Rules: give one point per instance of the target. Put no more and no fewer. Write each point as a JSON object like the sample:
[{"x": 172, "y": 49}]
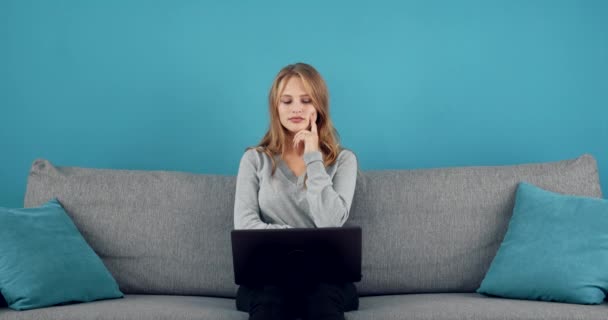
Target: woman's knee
[
  {"x": 325, "y": 301},
  {"x": 267, "y": 302}
]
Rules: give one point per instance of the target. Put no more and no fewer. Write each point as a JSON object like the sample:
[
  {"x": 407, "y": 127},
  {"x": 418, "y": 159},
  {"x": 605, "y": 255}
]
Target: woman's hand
[{"x": 310, "y": 138}]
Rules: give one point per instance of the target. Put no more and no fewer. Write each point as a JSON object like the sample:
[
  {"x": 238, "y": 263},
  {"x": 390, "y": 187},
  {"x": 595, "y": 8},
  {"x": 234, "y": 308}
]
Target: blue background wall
[{"x": 182, "y": 85}]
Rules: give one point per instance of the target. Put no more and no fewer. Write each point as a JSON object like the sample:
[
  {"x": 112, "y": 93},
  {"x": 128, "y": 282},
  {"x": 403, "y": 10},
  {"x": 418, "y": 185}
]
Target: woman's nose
[{"x": 298, "y": 107}]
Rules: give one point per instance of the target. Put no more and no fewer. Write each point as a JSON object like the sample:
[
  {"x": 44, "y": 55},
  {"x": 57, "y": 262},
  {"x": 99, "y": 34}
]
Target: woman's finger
[
  {"x": 313, "y": 125},
  {"x": 296, "y": 141}
]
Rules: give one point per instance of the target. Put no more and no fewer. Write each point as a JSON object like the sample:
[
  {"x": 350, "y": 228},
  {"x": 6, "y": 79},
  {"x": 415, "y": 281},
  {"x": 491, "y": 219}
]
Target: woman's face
[{"x": 295, "y": 106}]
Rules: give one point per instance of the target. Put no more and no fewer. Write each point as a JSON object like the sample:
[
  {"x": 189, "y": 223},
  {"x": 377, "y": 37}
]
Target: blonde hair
[{"x": 273, "y": 142}]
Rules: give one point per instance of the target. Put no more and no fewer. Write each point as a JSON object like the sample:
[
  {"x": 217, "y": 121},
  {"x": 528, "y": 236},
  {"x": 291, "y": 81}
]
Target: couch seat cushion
[
  {"x": 132, "y": 307},
  {"x": 465, "y": 306},
  {"x": 470, "y": 306}
]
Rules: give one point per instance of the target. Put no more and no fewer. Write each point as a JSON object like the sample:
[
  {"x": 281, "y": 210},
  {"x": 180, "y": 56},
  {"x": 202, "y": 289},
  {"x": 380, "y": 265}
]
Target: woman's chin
[{"x": 292, "y": 130}]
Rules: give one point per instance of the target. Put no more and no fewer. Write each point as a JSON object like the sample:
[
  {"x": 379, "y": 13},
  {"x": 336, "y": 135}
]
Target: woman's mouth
[{"x": 296, "y": 120}]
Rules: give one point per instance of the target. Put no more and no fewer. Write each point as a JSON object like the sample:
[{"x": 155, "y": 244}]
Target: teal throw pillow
[
  {"x": 555, "y": 249},
  {"x": 45, "y": 261}
]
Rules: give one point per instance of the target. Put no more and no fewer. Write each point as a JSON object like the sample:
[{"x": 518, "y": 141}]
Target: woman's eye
[
  {"x": 287, "y": 102},
  {"x": 306, "y": 101}
]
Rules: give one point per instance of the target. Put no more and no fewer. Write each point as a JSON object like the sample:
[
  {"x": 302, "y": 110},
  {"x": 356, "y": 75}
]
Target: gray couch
[{"x": 429, "y": 237}]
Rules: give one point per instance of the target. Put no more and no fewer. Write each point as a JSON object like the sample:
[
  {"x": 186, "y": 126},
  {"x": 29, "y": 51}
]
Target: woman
[{"x": 297, "y": 177}]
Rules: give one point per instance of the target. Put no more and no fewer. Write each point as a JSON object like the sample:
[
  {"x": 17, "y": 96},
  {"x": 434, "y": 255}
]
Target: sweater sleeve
[
  {"x": 246, "y": 206},
  {"x": 330, "y": 200}
]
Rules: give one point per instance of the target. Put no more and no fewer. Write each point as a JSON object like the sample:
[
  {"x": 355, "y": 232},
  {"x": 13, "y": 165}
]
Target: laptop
[{"x": 296, "y": 256}]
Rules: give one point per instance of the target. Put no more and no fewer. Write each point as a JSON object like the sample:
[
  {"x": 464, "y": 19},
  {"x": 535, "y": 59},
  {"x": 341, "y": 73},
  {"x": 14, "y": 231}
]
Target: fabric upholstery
[
  {"x": 437, "y": 230},
  {"x": 134, "y": 307},
  {"x": 424, "y": 230},
  {"x": 470, "y": 306},
  {"x": 158, "y": 232},
  {"x": 445, "y": 306},
  {"x": 554, "y": 249},
  {"x": 41, "y": 250}
]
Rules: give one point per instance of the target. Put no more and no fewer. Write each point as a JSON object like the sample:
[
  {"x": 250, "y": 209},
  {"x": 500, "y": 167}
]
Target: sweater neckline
[{"x": 286, "y": 171}]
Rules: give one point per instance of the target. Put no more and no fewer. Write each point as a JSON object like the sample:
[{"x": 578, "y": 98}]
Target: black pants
[{"x": 320, "y": 301}]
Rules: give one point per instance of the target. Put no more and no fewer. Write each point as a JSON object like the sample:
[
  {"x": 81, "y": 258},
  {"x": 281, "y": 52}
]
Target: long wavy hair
[{"x": 273, "y": 142}]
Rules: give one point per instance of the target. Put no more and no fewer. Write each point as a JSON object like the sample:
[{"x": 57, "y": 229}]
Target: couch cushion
[
  {"x": 437, "y": 230},
  {"x": 448, "y": 306},
  {"x": 132, "y": 307},
  {"x": 41, "y": 250},
  {"x": 470, "y": 306},
  {"x": 158, "y": 232},
  {"x": 554, "y": 249}
]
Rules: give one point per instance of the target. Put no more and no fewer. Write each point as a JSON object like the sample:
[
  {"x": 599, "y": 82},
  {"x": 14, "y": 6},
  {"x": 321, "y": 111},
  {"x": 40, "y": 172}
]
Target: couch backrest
[
  {"x": 158, "y": 232},
  {"x": 425, "y": 230},
  {"x": 437, "y": 230}
]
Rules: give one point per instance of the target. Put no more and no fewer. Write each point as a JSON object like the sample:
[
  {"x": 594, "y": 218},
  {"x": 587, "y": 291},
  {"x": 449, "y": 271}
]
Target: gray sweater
[{"x": 263, "y": 202}]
